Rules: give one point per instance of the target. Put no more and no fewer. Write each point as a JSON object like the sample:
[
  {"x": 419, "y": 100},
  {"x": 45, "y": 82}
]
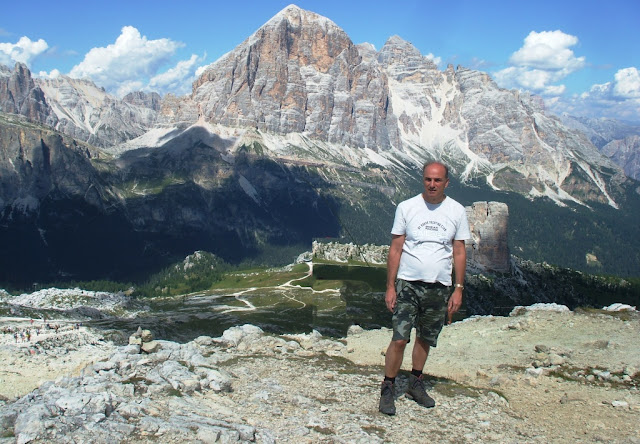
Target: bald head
[{"x": 428, "y": 164}]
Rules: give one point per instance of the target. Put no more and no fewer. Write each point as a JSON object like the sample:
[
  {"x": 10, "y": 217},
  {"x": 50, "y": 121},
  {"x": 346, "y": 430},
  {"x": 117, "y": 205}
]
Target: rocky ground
[{"x": 543, "y": 374}]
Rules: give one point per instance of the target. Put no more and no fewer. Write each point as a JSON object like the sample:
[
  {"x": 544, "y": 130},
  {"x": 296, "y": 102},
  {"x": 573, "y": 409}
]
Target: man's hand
[
  {"x": 455, "y": 301},
  {"x": 390, "y": 299}
]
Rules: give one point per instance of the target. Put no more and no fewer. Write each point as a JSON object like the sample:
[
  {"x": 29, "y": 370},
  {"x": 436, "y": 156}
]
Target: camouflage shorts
[{"x": 419, "y": 305}]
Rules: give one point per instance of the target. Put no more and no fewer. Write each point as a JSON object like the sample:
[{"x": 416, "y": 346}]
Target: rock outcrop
[
  {"x": 37, "y": 163},
  {"x": 488, "y": 249},
  {"x": 19, "y": 94},
  {"x": 339, "y": 252},
  {"x": 494, "y": 379}
]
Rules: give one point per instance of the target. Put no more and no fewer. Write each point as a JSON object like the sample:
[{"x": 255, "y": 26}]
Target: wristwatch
[{"x": 459, "y": 286}]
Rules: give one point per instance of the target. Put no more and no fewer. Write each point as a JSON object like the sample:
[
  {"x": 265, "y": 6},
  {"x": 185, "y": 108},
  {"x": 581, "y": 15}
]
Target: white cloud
[
  {"x": 535, "y": 80},
  {"x": 127, "y": 86},
  {"x": 627, "y": 83},
  {"x": 201, "y": 69},
  {"x": 619, "y": 98},
  {"x": 49, "y": 75},
  {"x": 24, "y": 51},
  {"x": 128, "y": 63},
  {"x": 177, "y": 79},
  {"x": 434, "y": 59},
  {"x": 555, "y": 90},
  {"x": 479, "y": 64},
  {"x": 548, "y": 50},
  {"x": 546, "y": 59},
  {"x": 543, "y": 61}
]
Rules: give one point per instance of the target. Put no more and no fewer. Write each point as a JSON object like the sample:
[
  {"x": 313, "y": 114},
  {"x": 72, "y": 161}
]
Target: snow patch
[
  {"x": 249, "y": 189},
  {"x": 619, "y": 307},
  {"x": 151, "y": 139},
  {"x": 26, "y": 204}
]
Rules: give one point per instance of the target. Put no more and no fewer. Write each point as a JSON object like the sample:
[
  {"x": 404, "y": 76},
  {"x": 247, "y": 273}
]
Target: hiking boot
[
  {"x": 417, "y": 392},
  {"x": 387, "y": 398}
]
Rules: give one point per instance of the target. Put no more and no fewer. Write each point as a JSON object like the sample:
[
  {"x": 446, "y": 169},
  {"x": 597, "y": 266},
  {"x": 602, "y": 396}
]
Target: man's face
[{"x": 435, "y": 181}]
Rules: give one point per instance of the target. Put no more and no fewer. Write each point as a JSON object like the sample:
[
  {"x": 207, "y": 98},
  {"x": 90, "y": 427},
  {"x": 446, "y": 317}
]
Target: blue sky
[{"x": 581, "y": 56}]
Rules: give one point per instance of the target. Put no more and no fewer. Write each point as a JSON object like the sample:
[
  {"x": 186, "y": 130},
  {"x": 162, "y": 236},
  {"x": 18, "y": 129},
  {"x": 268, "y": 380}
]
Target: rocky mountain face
[
  {"x": 38, "y": 162},
  {"x": 616, "y": 140},
  {"x": 297, "y": 133},
  {"x": 601, "y": 131},
  {"x": 89, "y": 114},
  {"x": 19, "y": 94},
  {"x": 77, "y": 108},
  {"x": 626, "y": 153},
  {"x": 301, "y": 75}
]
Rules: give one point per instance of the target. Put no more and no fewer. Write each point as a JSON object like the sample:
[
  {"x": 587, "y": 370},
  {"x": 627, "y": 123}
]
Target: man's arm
[
  {"x": 460, "y": 267},
  {"x": 393, "y": 263}
]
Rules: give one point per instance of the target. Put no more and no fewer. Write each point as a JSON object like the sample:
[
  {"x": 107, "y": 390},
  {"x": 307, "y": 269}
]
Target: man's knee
[
  {"x": 398, "y": 345},
  {"x": 424, "y": 343}
]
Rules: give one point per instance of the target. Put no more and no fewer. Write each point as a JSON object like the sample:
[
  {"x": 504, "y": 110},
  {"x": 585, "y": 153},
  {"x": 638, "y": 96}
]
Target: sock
[
  {"x": 416, "y": 373},
  {"x": 393, "y": 380}
]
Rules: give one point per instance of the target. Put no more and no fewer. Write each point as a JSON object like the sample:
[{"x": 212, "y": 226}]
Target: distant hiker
[{"x": 428, "y": 232}]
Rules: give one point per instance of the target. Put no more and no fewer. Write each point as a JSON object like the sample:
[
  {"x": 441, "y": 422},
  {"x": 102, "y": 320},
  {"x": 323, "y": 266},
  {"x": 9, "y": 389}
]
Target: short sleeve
[
  {"x": 463, "y": 232},
  {"x": 399, "y": 222}
]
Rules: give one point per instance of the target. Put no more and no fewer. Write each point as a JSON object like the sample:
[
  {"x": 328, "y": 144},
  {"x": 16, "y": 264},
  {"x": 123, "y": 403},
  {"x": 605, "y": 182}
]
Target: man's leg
[
  {"x": 416, "y": 389},
  {"x": 393, "y": 358},
  {"x": 403, "y": 319},
  {"x": 433, "y": 304},
  {"x": 392, "y": 363},
  {"x": 420, "y": 354}
]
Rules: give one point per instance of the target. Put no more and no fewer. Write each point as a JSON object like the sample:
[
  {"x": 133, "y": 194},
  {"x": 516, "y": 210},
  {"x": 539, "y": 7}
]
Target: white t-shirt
[{"x": 430, "y": 230}]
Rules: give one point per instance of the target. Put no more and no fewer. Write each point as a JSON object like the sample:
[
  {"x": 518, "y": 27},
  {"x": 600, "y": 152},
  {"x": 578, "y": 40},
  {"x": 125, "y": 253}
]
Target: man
[{"x": 428, "y": 232}]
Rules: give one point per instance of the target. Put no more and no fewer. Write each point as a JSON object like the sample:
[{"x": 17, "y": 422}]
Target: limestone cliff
[
  {"x": 299, "y": 73},
  {"x": 488, "y": 248},
  {"x": 19, "y": 94}
]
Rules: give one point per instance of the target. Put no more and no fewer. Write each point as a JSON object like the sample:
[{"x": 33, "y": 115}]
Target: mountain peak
[
  {"x": 397, "y": 50},
  {"x": 296, "y": 16},
  {"x": 290, "y": 9}
]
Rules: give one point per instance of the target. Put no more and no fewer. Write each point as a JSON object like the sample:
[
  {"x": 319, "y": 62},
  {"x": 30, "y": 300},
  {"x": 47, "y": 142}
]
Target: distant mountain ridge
[
  {"x": 620, "y": 141},
  {"x": 296, "y": 133}
]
